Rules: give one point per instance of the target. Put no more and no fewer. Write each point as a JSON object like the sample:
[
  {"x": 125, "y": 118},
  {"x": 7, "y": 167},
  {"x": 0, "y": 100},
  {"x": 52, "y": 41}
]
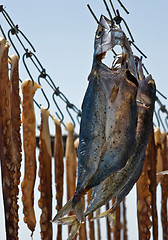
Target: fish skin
[
  {"x": 93, "y": 115},
  {"x": 120, "y": 183},
  {"x": 121, "y": 123}
]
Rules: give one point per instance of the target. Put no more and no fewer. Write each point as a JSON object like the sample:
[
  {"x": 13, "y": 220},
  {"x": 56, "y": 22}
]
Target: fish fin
[
  {"x": 111, "y": 218},
  {"x": 102, "y": 215},
  {"x": 78, "y": 208},
  {"x": 63, "y": 211},
  {"x": 74, "y": 229},
  {"x": 67, "y": 220}
]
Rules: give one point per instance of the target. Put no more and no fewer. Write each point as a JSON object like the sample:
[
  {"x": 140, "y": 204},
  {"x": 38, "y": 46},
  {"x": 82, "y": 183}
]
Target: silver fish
[
  {"x": 120, "y": 183},
  {"x": 103, "y": 129}
]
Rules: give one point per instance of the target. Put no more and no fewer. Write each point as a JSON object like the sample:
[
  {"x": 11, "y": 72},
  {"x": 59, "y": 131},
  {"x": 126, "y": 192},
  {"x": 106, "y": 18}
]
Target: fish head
[
  {"x": 106, "y": 38},
  {"x": 146, "y": 92}
]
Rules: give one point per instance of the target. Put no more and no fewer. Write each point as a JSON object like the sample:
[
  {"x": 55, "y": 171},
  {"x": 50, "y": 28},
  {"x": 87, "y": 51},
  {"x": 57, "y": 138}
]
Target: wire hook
[
  {"x": 14, "y": 31},
  {"x": 157, "y": 119},
  {"x": 70, "y": 105},
  {"x": 62, "y": 115},
  {"x": 166, "y": 121},
  {"x": 29, "y": 54},
  {"x": 160, "y": 119},
  {"x": 42, "y": 75}
]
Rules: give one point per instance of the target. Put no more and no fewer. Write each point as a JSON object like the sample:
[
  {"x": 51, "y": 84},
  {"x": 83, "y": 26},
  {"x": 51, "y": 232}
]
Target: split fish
[
  {"x": 120, "y": 183},
  {"x": 108, "y": 123}
]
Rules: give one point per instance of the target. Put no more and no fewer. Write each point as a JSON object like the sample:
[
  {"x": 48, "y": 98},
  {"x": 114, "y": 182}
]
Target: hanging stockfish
[
  {"x": 70, "y": 162},
  {"x": 144, "y": 201},
  {"x": 117, "y": 225},
  {"x": 125, "y": 237},
  {"x": 59, "y": 169},
  {"x": 164, "y": 187},
  {"x": 151, "y": 156},
  {"x": 98, "y": 224},
  {"x": 45, "y": 174},
  {"x": 108, "y": 224},
  {"x": 157, "y": 137},
  {"x": 29, "y": 145},
  {"x": 9, "y": 164},
  {"x": 90, "y": 216},
  {"x": 15, "y": 115}
]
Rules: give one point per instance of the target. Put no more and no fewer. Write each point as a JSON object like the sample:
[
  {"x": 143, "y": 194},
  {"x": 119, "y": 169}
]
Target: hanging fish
[
  {"x": 108, "y": 124},
  {"x": 121, "y": 183}
]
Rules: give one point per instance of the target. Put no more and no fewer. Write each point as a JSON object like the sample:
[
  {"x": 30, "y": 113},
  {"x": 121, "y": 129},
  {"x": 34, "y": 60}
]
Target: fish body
[
  {"x": 108, "y": 124},
  {"x": 120, "y": 126},
  {"x": 109, "y": 108},
  {"x": 120, "y": 183}
]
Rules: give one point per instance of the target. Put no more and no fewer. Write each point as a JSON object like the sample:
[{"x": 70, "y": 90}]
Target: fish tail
[
  {"x": 78, "y": 207},
  {"x": 70, "y": 220},
  {"x": 63, "y": 211},
  {"x": 74, "y": 229},
  {"x": 109, "y": 214}
]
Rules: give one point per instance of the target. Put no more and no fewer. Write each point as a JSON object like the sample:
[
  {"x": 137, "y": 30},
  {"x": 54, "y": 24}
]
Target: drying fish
[
  {"x": 159, "y": 167},
  {"x": 122, "y": 182},
  {"x": 59, "y": 168},
  {"x": 70, "y": 161},
  {"x": 144, "y": 199},
  {"x": 29, "y": 145},
  {"x": 45, "y": 169},
  {"x": 9, "y": 163},
  {"x": 108, "y": 124},
  {"x": 15, "y": 115}
]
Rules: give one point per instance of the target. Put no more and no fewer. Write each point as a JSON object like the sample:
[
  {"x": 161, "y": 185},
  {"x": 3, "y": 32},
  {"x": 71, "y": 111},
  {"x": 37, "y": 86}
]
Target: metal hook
[
  {"x": 42, "y": 75},
  {"x": 118, "y": 20},
  {"x": 79, "y": 115},
  {"x": 70, "y": 105},
  {"x": 25, "y": 55},
  {"x": 160, "y": 119},
  {"x": 157, "y": 119},
  {"x": 166, "y": 121},
  {"x": 29, "y": 54},
  {"x": 62, "y": 115},
  {"x": 51, "y": 83},
  {"x": 6, "y": 16},
  {"x": 14, "y": 31}
]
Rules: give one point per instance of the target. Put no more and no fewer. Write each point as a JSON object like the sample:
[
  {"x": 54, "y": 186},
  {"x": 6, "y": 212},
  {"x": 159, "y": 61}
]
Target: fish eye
[{"x": 99, "y": 32}]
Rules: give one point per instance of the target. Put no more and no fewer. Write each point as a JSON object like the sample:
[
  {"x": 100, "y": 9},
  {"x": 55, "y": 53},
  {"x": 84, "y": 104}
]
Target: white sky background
[{"x": 62, "y": 33}]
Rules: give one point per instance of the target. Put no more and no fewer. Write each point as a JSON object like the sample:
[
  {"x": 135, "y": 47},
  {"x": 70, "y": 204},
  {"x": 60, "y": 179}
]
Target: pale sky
[{"x": 62, "y": 33}]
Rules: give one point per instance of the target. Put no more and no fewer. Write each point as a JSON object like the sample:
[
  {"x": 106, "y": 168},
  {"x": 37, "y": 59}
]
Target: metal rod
[
  {"x": 3, "y": 33},
  {"x": 161, "y": 94},
  {"x": 113, "y": 8},
  {"x": 93, "y": 14},
  {"x": 123, "y": 6},
  {"x": 138, "y": 49},
  {"x": 108, "y": 10}
]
